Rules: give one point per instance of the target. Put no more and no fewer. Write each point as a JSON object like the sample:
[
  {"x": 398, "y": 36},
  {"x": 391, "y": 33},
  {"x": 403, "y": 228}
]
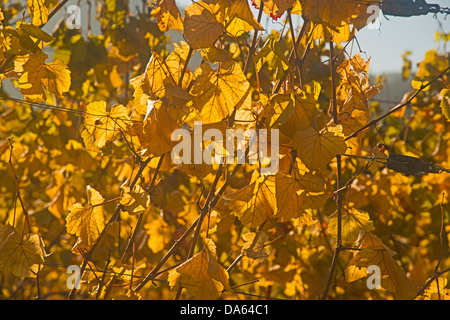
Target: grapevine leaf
[
  {"x": 35, "y": 75},
  {"x": 20, "y": 257},
  {"x": 38, "y": 11},
  {"x": 242, "y": 19},
  {"x": 168, "y": 15},
  {"x": 102, "y": 126},
  {"x": 201, "y": 26},
  {"x": 353, "y": 221},
  {"x": 195, "y": 276},
  {"x": 217, "y": 94},
  {"x": 445, "y": 103},
  {"x": 374, "y": 252},
  {"x": 254, "y": 246},
  {"x": 87, "y": 221},
  {"x": 254, "y": 203},
  {"x": 317, "y": 149}
]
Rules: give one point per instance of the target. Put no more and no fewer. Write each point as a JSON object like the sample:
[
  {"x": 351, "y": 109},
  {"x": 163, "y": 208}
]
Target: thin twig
[
  {"x": 253, "y": 45},
  {"x": 338, "y": 181}
]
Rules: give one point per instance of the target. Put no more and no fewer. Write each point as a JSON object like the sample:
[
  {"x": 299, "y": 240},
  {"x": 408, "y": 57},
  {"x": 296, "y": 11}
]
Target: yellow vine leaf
[
  {"x": 304, "y": 108},
  {"x": 317, "y": 149},
  {"x": 135, "y": 201},
  {"x": 38, "y": 11},
  {"x": 280, "y": 108},
  {"x": 201, "y": 24},
  {"x": 153, "y": 82},
  {"x": 215, "y": 270},
  {"x": 436, "y": 290},
  {"x": 254, "y": 203},
  {"x": 353, "y": 221},
  {"x": 35, "y": 75},
  {"x": 160, "y": 234},
  {"x": 242, "y": 19},
  {"x": 160, "y": 73},
  {"x": 157, "y": 129},
  {"x": 374, "y": 252},
  {"x": 272, "y": 54},
  {"x": 87, "y": 221},
  {"x": 217, "y": 94},
  {"x": 103, "y": 126},
  {"x": 254, "y": 246},
  {"x": 18, "y": 256},
  {"x": 297, "y": 194},
  {"x": 338, "y": 34},
  {"x": 168, "y": 15},
  {"x": 329, "y": 12},
  {"x": 202, "y": 276},
  {"x": 275, "y": 8},
  {"x": 445, "y": 103}
]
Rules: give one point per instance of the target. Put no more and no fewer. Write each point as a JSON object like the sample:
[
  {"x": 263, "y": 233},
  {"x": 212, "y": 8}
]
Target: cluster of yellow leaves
[{"x": 294, "y": 205}]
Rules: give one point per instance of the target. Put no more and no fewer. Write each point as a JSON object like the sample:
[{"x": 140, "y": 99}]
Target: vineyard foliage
[{"x": 88, "y": 180}]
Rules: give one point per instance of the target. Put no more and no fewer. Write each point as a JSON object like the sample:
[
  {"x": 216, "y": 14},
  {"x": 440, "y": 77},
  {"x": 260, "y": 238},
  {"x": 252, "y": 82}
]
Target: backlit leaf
[
  {"x": 353, "y": 221},
  {"x": 254, "y": 203},
  {"x": 445, "y": 103},
  {"x": 35, "y": 75},
  {"x": 87, "y": 221},
  {"x": 102, "y": 126},
  {"x": 20, "y": 257},
  {"x": 201, "y": 26},
  {"x": 317, "y": 149},
  {"x": 38, "y": 11},
  {"x": 217, "y": 94},
  {"x": 374, "y": 252},
  {"x": 168, "y": 15},
  {"x": 196, "y": 277}
]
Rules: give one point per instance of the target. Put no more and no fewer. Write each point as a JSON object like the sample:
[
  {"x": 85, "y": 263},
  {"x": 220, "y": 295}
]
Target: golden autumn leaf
[
  {"x": 241, "y": 19},
  {"x": 217, "y": 94},
  {"x": 254, "y": 203},
  {"x": 445, "y": 103},
  {"x": 280, "y": 108},
  {"x": 201, "y": 275},
  {"x": 272, "y": 54},
  {"x": 275, "y": 8},
  {"x": 160, "y": 73},
  {"x": 160, "y": 234},
  {"x": 215, "y": 270},
  {"x": 102, "y": 126},
  {"x": 18, "y": 256},
  {"x": 374, "y": 252},
  {"x": 317, "y": 149},
  {"x": 38, "y": 11},
  {"x": 157, "y": 129},
  {"x": 296, "y": 194},
  {"x": 330, "y": 12},
  {"x": 35, "y": 75},
  {"x": 87, "y": 221},
  {"x": 201, "y": 24},
  {"x": 168, "y": 15},
  {"x": 304, "y": 107},
  {"x": 353, "y": 221},
  {"x": 254, "y": 246},
  {"x": 135, "y": 201},
  {"x": 154, "y": 79}
]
